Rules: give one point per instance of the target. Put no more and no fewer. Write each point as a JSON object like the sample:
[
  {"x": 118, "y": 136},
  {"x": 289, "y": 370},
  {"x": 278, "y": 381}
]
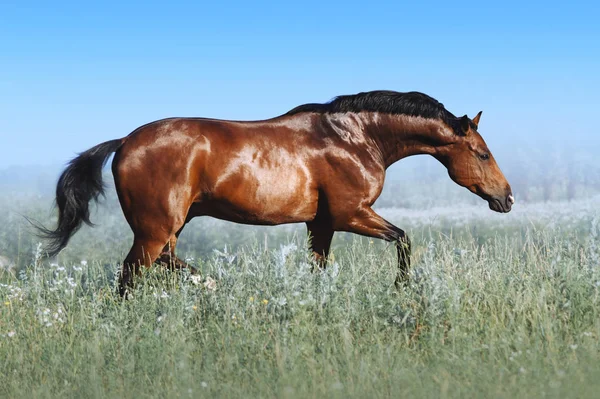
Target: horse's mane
[{"x": 390, "y": 102}]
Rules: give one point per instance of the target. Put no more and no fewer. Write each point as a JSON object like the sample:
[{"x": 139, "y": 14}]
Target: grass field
[{"x": 497, "y": 306}]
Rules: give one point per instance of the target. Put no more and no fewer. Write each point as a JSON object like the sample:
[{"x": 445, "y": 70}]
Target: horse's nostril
[{"x": 511, "y": 199}]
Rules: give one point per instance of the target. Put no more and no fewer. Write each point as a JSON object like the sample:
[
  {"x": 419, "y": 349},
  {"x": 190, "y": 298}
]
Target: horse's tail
[{"x": 79, "y": 183}]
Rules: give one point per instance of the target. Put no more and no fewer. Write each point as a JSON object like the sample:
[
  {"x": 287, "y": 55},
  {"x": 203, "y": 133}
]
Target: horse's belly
[{"x": 265, "y": 197}]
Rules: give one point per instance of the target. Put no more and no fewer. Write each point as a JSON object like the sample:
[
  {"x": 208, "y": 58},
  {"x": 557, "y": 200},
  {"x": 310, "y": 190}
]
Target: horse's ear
[
  {"x": 464, "y": 125},
  {"x": 476, "y": 119}
]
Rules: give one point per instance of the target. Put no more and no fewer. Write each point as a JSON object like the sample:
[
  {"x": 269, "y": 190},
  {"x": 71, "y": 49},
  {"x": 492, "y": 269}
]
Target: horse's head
[{"x": 471, "y": 164}]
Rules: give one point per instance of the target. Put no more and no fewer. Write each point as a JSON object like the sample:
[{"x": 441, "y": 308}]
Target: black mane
[{"x": 390, "y": 102}]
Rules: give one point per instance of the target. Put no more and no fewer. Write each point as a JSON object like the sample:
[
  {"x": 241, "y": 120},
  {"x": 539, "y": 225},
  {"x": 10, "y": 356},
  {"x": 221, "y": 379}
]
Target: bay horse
[{"x": 320, "y": 164}]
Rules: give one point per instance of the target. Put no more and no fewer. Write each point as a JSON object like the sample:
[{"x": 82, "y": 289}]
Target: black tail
[{"x": 80, "y": 182}]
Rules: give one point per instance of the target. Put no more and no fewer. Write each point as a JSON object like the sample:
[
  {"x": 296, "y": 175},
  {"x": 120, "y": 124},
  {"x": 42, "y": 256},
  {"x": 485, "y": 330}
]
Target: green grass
[{"x": 512, "y": 316}]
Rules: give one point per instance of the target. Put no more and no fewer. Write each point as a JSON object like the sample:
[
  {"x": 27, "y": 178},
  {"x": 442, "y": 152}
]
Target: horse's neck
[
  {"x": 401, "y": 136},
  {"x": 393, "y": 136}
]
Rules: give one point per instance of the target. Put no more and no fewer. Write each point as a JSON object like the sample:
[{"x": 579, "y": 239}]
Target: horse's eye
[{"x": 484, "y": 157}]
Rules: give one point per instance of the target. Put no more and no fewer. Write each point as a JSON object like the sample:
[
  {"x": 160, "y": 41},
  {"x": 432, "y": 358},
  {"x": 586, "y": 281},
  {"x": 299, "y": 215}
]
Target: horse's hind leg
[
  {"x": 168, "y": 257},
  {"x": 144, "y": 251},
  {"x": 155, "y": 194},
  {"x": 152, "y": 233}
]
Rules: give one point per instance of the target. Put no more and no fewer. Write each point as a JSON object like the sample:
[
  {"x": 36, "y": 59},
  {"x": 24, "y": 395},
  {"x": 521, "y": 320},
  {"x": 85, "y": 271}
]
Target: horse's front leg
[
  {"x": 321, "y": 235},
  {"x": 368, "y": 223}
]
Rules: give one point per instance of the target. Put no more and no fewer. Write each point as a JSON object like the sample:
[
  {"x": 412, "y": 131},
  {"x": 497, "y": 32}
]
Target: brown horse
[{"x": 321, "y": 164}]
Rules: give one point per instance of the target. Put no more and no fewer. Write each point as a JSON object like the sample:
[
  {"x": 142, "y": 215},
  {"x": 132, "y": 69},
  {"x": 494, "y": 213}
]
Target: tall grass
[{"x": 512, "y": 315}]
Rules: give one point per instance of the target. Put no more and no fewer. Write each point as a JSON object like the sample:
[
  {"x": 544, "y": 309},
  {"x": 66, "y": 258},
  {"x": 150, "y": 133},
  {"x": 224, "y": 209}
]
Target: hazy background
[{"x": 73, "y": 75}]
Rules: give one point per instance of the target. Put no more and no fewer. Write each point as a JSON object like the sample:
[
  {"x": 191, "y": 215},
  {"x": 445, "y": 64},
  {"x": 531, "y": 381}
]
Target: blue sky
[{"x": 73, "y": 74}]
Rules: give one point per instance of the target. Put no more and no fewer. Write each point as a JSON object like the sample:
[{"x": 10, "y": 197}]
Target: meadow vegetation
[{"x": 497, "y": 306}]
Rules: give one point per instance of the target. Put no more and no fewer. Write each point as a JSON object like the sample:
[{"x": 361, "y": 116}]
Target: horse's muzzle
[{"x": 501, "y": 204}]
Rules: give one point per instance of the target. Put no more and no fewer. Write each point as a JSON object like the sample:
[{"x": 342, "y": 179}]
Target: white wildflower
[
  {"x": 210, "y": 284},
  {"x": 196, "y": 279},
  {"x": 281, "y": 301}
]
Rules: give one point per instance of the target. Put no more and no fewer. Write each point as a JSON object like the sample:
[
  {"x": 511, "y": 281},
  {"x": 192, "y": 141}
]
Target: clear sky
[{"x": 74, "y": 74}]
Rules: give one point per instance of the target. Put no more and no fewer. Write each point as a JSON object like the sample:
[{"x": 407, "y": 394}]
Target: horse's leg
[
  {"x": 320, "y": 241},
  {"x": 368, "y": 223},
  {"x": 168, "y": 257},
  {"x": 144, "y": 251},
  {"x": 151, "y": 235}
]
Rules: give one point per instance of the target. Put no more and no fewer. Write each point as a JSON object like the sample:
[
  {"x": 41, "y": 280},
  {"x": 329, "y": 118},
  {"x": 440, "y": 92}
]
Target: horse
[{"x": 322, "y": 164}]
